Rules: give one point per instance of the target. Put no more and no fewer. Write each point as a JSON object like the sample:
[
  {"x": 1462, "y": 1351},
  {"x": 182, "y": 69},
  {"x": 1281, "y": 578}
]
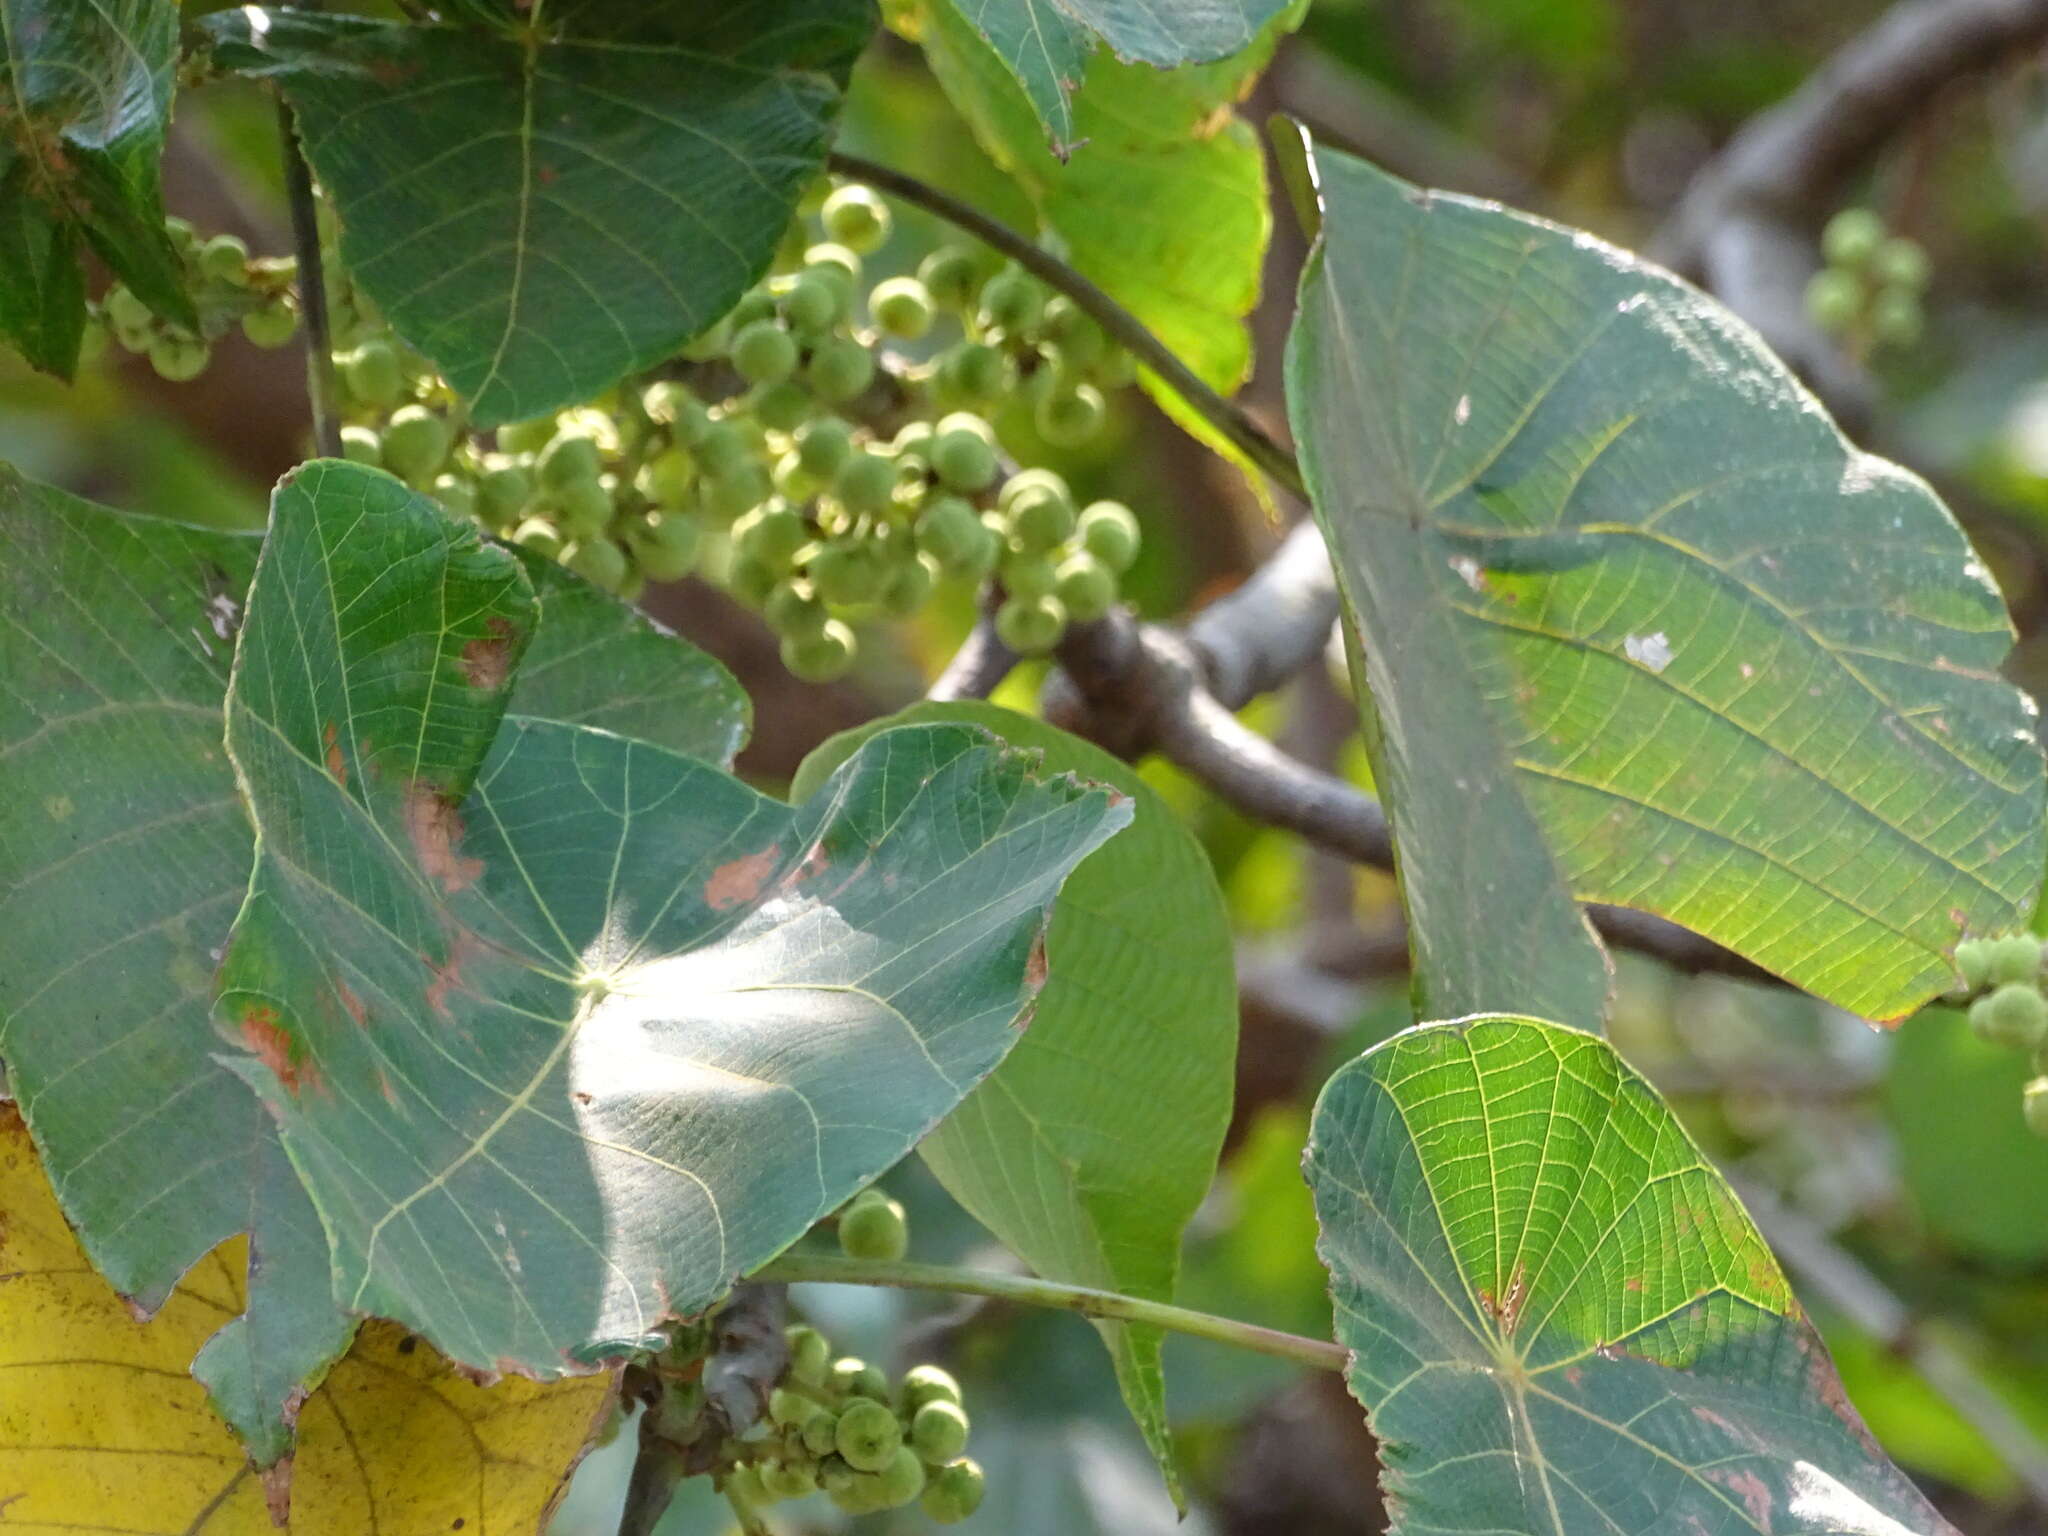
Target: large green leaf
[
  {"x": 565, "y": 1031},
  {"x": 1044, "y": 44},
  {"x": 1092, "y": 1144},
  {"x": 1560, "y": 1318},
  {"x": 544, "y": 212},
  {"x": 1163, "y": 200},
  {"x": 1639, "y": 625},
  {"x": 120, "y": 873},
  {"x": 86, "y": 100}
]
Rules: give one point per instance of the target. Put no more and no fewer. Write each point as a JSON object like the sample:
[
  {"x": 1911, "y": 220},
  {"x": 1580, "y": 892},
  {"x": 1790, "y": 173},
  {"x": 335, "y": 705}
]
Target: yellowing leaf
[{"x": 102, "y": 1428}]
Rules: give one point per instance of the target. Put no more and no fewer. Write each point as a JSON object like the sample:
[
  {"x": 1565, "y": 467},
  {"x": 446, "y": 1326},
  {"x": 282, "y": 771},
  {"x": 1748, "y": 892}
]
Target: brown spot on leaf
[
  {"x": 739, "y": 882},
  {"x": 336, "y": 768},
  {"x": 487, "y": 660},
  {"x": 1633, "y": 1284},
  {"x": 277, "y": 1492},
  {"x": 448, "y": 974},
  {"x": 1751, "y": 1490},
  {"x": 1507, "y": 1309},
  {"x": 267, "y": 1038},
  {"x": 354, "y": 1004},
  {"x": 435, "y": 828},
  {"x": 1035, "y": 967}
]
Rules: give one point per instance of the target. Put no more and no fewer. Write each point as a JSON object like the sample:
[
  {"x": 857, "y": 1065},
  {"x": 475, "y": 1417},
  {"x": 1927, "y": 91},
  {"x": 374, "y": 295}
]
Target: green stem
[
  {"x": 832, "y": 1269},
  {"x": 1246, "y": 435}
]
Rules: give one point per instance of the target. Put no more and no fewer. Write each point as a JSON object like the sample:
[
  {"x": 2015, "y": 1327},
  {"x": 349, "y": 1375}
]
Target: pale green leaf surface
[
  {"x": 1089, "y": 1148},
  {"x": 543, "y": 220},
  {"x": 85, "y": 90},
  {"x": 566, "y": 1032},
  {"x": 1561, "y": 1320},
  {"x": 121, "y": 869},
  {"x": 1044, "y": 44},
  {"x": 1639, "y": 625}
]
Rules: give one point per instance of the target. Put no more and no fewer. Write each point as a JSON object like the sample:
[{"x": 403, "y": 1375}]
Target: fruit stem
[
  {"x": 312, "y": 277},
  {"x": 1246, "y": 435},
  {"x": 834, "y": 1269}
]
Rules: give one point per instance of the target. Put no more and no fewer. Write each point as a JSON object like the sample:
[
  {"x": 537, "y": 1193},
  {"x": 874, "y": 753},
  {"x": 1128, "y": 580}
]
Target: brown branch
[
  {"x": 1746, "y": 226},
  {"x": 977, "y": 668}
]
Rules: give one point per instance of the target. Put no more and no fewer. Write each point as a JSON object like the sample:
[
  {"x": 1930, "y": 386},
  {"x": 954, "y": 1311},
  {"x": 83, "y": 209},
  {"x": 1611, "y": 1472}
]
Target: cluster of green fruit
[
  {"x": 1869, "y": 292},
  {"x": 228, "y": 287},
  {"x": 836, "y": 1426},
  {"x": 2009, "y": 1009}
]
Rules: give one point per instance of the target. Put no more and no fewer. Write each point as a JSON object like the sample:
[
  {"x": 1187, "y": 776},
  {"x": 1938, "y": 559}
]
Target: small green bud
[
  {"x": 928, "y": 1384},
  {"x": 814, "y": 304},
  {"x": 821, "y": 1432},
  {"x": 783, "y": 407},
  {"x": 1896, "y": 317},
  {"x": 527, "y": 436},
  {"x": 1011, "y": 302},
  {"x": 857, "y": 218},
  {"x": 502, "y": 493},
  {"x": 1031, "y": 626},
  {"x": 839, "y": 369},
  {"x": 950, "y": 531},
  {"x": 1085, "y": 587},
  {"x": 874, "y": 1230},
  {"x": 2016, "y": 957},
  {"x": 751, "y": 580},
  {"x": 582, "y": 507},
  {"x": 735, "y": 494},
  {"x": 902, "y": 307},
  {"x": 952, "y": 1493},
  {"x": 902, "y": 1479},
  {"x": 868, "y": 1435},
  {"x": 664, "y": 543},
  {"x": 723, "y": 450},
  {"x": 793, "y": 609},
  {"x": 821, "y": 657},
  {"x": 846, "y": 572},
  {"x": 598, "y": 561},
  {"x": 539, "y": 535},
  {"x": 788, "y": 1480},
  {"x": 569, "y": 457},
  {"x": 125, "y": 311},
  {"x": 950, "y": 276},
  {"x": 1067, "y": 418},
  {"x": 975, "y": 373},
  {"x": 865, "y": 482},
  {"x": 789, "y": 1408},
  {"x": 1973, "y": 963},
  {"x": 1834, "y": 300},
  {"x": 1028, "y": 575},
  {"x": 1852, "y": 237},
  {"x": 1109, "y": 532},
  {"x": 963, "y": 460},
  {"x": 771, "y": 534},
  {"x": 1041, "y": 521},
  {"x": 822, "y": 445},
  {"x": 810, "y": 1353},
  {"x": 2014, "y": 1015},
  {"x": 938, "y": 1432},
  {"x": 671, "y": 404},
  {"x": 854, "y": 1377},
  {"x": 667, "y": 478},
  {"x": 836, "y": 262},
  {"x": 910, "y": 585},
  {"x": 1901, "y": 263},
  {"x": 225, "y": 258},
  {"x": 764, "y": 353}
]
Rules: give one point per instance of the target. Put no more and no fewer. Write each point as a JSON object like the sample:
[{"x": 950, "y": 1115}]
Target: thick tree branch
[
  {"x": 1746, "y": 226},
  {"x": 320, "y": 386}
]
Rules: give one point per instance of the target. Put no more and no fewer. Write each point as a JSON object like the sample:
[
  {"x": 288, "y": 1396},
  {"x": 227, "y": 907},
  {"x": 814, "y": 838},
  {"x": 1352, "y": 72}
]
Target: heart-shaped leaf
[
  {"x": 121, "y": 871},
  {"x": 564, "y": 1031},
  {"x": 1560, "y": 1318},
  {"x": 87, "y": 99},
  {"x": 544, "y": 210},
  {"x": 1640, "y": 626}
]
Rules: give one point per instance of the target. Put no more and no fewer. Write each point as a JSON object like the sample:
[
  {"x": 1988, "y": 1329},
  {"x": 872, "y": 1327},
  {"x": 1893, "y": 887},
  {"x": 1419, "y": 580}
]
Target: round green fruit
[
  {"x": 950, "y": 531},
  {"x": 1011, "y": 302},
  {"x": 272, "y": 326},
  {"x": 814, "y": 304},
  {"x": 1896, "y": 317},
  {"x": 975, "y": 373},
  {"x": 1852, "y": 237},
  {"x": 787, "y": 1480},
  {"x": 856, "y": 218},
  {"x": 1901, "y": 263},
  {"x": 910, "y": 585},
  {"x": 963, "y": 460},
  {"x": 938, "y": 1432},
  {"x": 788, "y": 1408},
  {"x": 582, "y": 507},
  {"x": 764, "y": 353},
  {"x": 952, "y": 1493},
  {"x": 822, "y": 445},
  {"x": 902, "y": 307},
  {"x": 1086, "y": 588},
  {"x": 1041, "y": 521},
  {"x": 928, "y": 1384},
  {"x": 821, "y": 657},
  {"x": 225, "y": 258},
  {"x": 1031, "y": 626},
  {"x": 902, "y": 1480},
  {"x": 1109, "y": 532},
  {"x": 374, "y": 374},
  {"x": 854, "y": 1377},
  {"x": 783, "y": 407},
  {"x": 598, "y": 561},
  {"x": 1068, "y": 418},
  {"x": 1834, "y": 300},
  {"x": 416, "y": 441},
  {"x": 821, "y": 1432},
  {"x": 810, "y": 1353},
  {"x": 867, "y": 1435},
  {"x": 2016, "y": 957},
  {"x": 668, "y": 478},
  {"x": 876, "y": 1230},
  {"x": 665, "y": 543},
  {"x": 527, "y": 436},
  {"x": 539, "y": 535},
  {"x": 771, "y": 535},
  {"x": 568, "y": 458},
  {"x": 951, "y": 277},
  {"x": 362, "y": 445},
  {"x": 840, "y": 368},
  {"x": 178, "y": 358},
  {"x": 793, "y": 610},
  {"x": 846, "y": 572},
  {"x": 865, "y": 482},
  {"x": 2014, "y": 1015},
  {"x": 1973, "y": 963}
]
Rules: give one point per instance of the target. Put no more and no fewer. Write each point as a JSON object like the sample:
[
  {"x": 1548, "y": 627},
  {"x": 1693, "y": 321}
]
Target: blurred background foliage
[{"x": 1905, "y": 1149}]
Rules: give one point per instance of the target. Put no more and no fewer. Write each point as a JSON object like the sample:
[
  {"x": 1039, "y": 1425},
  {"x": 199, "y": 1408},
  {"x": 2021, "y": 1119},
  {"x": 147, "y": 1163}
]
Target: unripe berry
[
  {"x": 764, "y": 353},
  {"x": 952, "y": 1493},
  {"x": 1027, "y": 574},
  {"x": 902, "y": 307},
  {"x": 1031, "y": 626},
  {"x": 1067, "y": 418},
  {"x": 810, "y": 1354},
  {"x": 361, "y": 445},
  {"x": 125, "y": 312},
  {"x": 950, "y": 531},
  {"x": 415, "y": 443},
  {"x": 1834, "y": 300},
  {"x": 822, "y": 445},
  {"x": 783, "y": 407},
  {"x": 836, "y": 262},
  {"x": 2034, "y": 1104},
  {"x": 527, "y": 436},
  {"x": 856, "y": 218},
  {"x": 271, "y": 326},
  {"x": 374, "y": 374},
  {"x": 2014, "y": 1015},
  {"x": 1109, "y": 532},
  {"x": 861, "y": 1494},
  {"x": 1896, "y": 318},
  {"x": 540, "y": 536},
  {"x": 722, "y": 450},
  {"x": 821, "y": 657},
  {"x": 840, "y": 368},
  {"x": 854, "y": 1377},
  {"x": 1011, "y": 302},
  {"x": 874, "y": 1229},
  {"x": 938, "y": 1432},
  {"x": 902, "y": 1480},
  {"x": 1042, "y": 520},
  {"x": 975, "y": 373},
  {"x": 867, "y": 1435},
  {"x": 814, "y": 304},
  {"x": 771, "y": 535},
  {"x": 789, "y": 1408},
  {"x": 672, "y": 405},
  {"x": 225, "y": 258},
  {"x": 567, "y": 458},
  {"x": 927, "y": 1384},
  {"x": 456, "y": 495},
  {"x": 793, "y": 610},
  {"x": 1085, "y": 588},
  {"x": 846, "y": 572},
  {"x": 1079, "y": 339},
  {"x": 2016, "y": 957},
  {"x": 950, "y": 276},
  {"x": 582, "y": 507},
  {"x": 667, "y": 478},
  {"x": 179, "y": 358},
  {"x": 1901, "y": 263},
  {"x": 963, "y": 460},
  {"x": 910, "y": 585},
  {"x": 865, "y": 482},
  {"x": 821, "y": 1432},
  {"x": 1973, "y": 963},
  {"x": 913, "y": 442},
  {"x": 598, "y": 561},
  {"x": 1852, "y": 237},
  {"x": 735, "y": 494},
  {"x": 787, "y": 1480},
  {"x": 664, "y": 544},
  {"x": 751, "y": 580}
]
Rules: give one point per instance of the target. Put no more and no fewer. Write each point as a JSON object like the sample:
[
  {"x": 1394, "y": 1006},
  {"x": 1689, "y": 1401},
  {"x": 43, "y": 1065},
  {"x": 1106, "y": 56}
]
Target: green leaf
[
  {"x": 543, "y": 215},
  {"x": 121, "y": 876},
  {"x": 1092, "y": 1144},
  {"x": 1560, "y": 1318},
  {"x": 1639, "y": 625},
  {"x": 87, "y": 98},
  {"x": 565, "y": 1031},
  {"x": 1163, "y": 200},
  {"x": 1044, "y": 44}
]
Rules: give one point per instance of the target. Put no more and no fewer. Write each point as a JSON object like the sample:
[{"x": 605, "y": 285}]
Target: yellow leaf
[{"x": 102, "y": 1428}]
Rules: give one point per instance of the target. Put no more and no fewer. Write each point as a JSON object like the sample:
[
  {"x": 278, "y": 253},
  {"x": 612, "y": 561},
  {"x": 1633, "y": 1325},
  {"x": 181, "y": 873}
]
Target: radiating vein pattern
[
  {"x": 543, "y": 217},
  {"x": 1561, "y": 1320},
  {"x": 566, "y": 1031},
  {"x": 1639, "y": 623}
]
